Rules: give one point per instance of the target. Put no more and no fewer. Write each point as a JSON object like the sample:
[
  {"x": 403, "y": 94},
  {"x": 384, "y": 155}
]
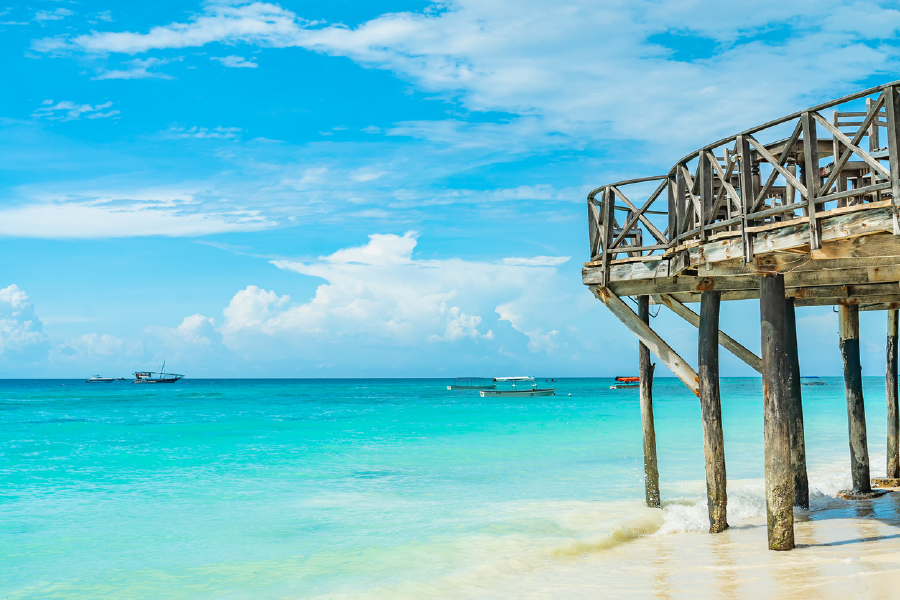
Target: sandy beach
[{"x": 846, "y": 549}]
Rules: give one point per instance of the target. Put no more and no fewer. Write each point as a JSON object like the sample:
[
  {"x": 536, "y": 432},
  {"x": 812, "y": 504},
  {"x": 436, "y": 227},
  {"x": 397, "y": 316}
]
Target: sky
[{"x": 374, "y": 189}]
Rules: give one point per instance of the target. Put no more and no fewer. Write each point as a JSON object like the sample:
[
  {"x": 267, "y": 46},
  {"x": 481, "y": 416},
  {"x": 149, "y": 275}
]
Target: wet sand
[{"x": 845, "y": 549}]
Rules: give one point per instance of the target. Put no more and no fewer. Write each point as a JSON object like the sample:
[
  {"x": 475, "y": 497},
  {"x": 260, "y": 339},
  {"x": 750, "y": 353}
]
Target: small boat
[
  {"x": 156, "y": 376},
  {"x": 626, "y": 383},
  {"x": 472, "y": 383},
  {"x": 814, "y": 381},
  {"x": 513, "y": 390},
  {"x": 100, "y": 379}
]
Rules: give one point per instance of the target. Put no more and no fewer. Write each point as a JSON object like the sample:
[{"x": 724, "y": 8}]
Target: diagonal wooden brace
[
  {"x": 726, "y": 341},
  {"x": 649, "y": 338}
]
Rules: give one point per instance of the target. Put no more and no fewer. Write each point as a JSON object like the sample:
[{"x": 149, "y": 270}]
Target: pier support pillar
[
  {"x": 856, "y": 414},
  {"x": 711, "y": 409},
  {"x": 776, "y": 413},
  {"x": 893, "y": 416},
  {"x": 651, "y": 471},
  {"x": 798, "y": 441}
]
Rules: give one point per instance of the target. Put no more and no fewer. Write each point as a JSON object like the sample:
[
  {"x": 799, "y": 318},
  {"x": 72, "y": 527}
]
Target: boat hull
[
  {"x": 518, "y": 393},
  {"x": 100, "y": 380},
  {"x": 155, "y": 380}
]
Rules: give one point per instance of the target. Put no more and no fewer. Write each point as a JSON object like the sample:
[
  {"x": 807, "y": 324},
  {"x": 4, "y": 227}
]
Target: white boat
[
  {"x": 513, "y": 384},
  {"x": 100, "y": 379}
]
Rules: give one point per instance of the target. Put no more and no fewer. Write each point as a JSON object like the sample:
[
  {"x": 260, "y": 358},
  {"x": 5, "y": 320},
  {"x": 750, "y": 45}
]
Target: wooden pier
[{"x": 794, "y": 213}]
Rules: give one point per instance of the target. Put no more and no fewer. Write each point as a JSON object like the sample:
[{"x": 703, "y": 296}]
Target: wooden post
[
  {"x": 776, "y": 409},
  {"x": 651, "y": 471},
  {"x": 893, "y": 420},
  {"x": 798, "y": 441},
  {"x": 856, "y": 414},
  {"x": 892, "y": 115},
  {"x": 707, "y": 200},
  {"x": 711, "y": 409},
  {"x": 812, "y": 183},
  {"x": 747, "y": 197}
]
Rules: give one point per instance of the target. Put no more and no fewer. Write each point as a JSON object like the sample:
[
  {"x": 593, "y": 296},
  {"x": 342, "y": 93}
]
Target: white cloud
[
  {"x": 70, "y": 111},
  {"x": 380, "y": 293},
  {"x": 52, "y": 15},
  {"x": 203, "y": 133},
  {"x": 459, "y": 326},
  {"x": 136, "y": 69},
  {"x": 537, "y": 261},
  {"x": 519, "y": 58},
  {"x": 235, "y": 61},
  {"x": 21, "y": 331},
  {"x": 124, "y": 213}
]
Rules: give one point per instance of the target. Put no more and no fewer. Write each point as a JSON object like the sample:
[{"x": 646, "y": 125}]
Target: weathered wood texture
[
  {"x": 711, "y": 410},
  {"x": 726, "y": 341},
  {"x": 798, "y": 440},
  {"x": 646, "y": 368},
  {"x": 856, "y": 414},
  {"x": 776, "y": 414},
  {"x": 657, "y": 346},
  {"x": 893, "y": 416}
]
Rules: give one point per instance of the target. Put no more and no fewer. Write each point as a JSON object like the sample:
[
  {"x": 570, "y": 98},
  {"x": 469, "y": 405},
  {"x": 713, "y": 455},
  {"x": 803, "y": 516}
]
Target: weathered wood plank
[
  {"x": 776, "y": 409},
  {"x": 657, "y": 346},
  {"x": 798, "y": 439},
  {"x": 892, "y": 108},
  {"x": 726, "y": 341},
  {"x": 646, "y": 368},
  {"x": 711, "y": 412},
  {"x": 856, "y": 413},
  {"x": 893, "y": 414},
  {"x": 811, "y": 164}
]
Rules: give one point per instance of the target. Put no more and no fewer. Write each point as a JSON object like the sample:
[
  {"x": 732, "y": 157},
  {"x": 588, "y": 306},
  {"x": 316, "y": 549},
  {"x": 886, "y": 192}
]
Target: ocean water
[{"x": 363, "y": 488}]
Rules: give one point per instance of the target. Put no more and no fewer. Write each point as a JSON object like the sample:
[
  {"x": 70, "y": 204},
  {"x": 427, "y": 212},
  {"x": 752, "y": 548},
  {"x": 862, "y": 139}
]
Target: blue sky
[{"x": 325, "y": 189}]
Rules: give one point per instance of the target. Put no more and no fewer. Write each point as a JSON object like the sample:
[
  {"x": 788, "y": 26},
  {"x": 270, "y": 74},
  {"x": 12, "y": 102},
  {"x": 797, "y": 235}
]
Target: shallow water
[{"x": 378, "y": 488}]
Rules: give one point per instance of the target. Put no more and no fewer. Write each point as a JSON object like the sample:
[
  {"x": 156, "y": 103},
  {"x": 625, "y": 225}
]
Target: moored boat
[
  {"x": 100, "y": 379},
  {"x": 472, "y": 383},
  {"x": 156, "y": 376},
  {"x": 626, "y": 383},
  {"x": 513, "y": 390}
]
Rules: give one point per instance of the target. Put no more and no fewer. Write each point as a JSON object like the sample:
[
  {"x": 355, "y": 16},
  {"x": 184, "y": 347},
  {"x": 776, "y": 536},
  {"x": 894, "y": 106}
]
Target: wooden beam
[
  {"x": 776, "y": 409},
  {"x": 812, "y": 183},
  {"x": 893, "y": 415},
  {"x": 726, "y": 341},
  {"x": 798, "y": 438},
  {"x": 856, "y": 412},
  {"x": 711, "y": 410},
  {"x": 650, "y": 338},
  {"x": 651, "y": 468}
]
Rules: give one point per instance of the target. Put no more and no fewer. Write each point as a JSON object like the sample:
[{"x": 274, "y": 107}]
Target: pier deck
[{"x": 800, "y": 211}]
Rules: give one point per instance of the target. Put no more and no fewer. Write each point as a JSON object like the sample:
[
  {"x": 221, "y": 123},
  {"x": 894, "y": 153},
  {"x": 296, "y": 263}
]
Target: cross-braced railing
[{"x": 740, "y": 186}]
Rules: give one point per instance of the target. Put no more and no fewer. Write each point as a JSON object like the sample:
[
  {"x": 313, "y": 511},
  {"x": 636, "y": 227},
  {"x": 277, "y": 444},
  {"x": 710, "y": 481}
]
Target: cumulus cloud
[
  {"x": 21, "y": 331},
  {"x": 238, "y": 62},
  {"x": 381, "y": 293}
]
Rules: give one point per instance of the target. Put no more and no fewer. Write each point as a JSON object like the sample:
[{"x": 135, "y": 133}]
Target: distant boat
[
  {"x": 814, "y": 380},
  {"x": 626, "y": 382},
  {"x": 100, "y": 379},
  {"x": 156, "y": 377},
  {"x": 513, "y": 382},
  {"x": 472, "y": 383}
]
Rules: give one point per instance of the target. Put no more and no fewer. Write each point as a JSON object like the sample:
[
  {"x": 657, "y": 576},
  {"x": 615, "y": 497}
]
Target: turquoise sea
[{"x": 363, "y": 487}]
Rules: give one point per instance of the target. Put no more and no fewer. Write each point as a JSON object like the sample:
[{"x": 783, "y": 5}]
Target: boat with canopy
[{"x": 512, "y": 386}]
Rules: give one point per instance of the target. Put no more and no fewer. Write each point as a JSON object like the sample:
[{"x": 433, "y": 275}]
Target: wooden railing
[{"x": 739, "y": 186}]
